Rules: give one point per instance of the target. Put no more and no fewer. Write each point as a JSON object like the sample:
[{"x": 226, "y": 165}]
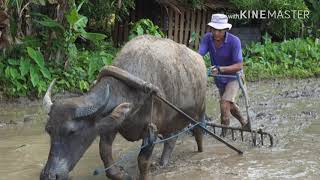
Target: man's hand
[{"x": 214, "y": 70}]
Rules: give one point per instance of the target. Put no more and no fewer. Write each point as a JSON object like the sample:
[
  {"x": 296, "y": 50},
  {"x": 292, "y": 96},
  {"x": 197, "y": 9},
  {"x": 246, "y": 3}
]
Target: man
[{"x": 226, "y": 58}]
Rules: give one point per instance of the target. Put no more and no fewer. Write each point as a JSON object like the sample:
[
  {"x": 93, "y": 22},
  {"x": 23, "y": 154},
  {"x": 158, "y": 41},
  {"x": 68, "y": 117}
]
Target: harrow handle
[{"x": 246, "y": 98}]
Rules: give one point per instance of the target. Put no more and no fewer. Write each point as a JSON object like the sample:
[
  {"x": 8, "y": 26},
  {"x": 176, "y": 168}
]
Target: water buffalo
[{"x": 119, "y": 102}]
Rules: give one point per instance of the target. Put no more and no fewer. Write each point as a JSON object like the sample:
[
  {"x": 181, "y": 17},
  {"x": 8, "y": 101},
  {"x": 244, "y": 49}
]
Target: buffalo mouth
[
  {"x": 55, "y": 170},
  {"x": 54, "y": 176}
]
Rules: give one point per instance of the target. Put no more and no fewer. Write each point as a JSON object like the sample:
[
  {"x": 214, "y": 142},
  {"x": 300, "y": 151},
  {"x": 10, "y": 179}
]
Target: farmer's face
[{"x": 218, "y": 34}]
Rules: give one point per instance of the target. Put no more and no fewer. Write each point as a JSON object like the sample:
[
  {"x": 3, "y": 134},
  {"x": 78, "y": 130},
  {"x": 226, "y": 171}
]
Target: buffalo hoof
[
  {"x": 118, "y": 174},
  {"x": 164, "y": 162}
]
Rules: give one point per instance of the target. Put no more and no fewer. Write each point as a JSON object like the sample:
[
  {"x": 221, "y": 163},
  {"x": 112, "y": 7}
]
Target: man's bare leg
[
  {"x": 235, "y": 111},
  {"x": 225, "y": 115}
]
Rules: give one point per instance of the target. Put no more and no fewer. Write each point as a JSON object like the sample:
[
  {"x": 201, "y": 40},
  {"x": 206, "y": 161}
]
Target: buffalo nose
[{"x": 52, "y": 176}]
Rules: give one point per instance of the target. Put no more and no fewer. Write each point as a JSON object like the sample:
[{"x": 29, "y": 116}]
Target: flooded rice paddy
[{"x": 287, "y": 109}]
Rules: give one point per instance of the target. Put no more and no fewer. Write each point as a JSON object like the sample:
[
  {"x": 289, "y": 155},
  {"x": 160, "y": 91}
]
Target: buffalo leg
[
  {"x": 146, "y": 152},
  {"x": 105, "y": 146},
  {"x": 198, "y": 133},
  {"x": 167, "y": 150}
]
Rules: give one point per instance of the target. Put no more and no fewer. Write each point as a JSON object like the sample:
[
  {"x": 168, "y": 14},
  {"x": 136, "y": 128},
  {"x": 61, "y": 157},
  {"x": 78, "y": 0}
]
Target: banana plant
[
  {"x": 77, "y": 24},
  {"x": 20, "y": 10}
]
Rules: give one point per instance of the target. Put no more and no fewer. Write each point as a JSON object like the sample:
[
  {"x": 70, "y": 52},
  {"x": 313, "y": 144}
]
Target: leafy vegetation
[
  {"x": 145, "y": 26},
  {"x": 296, "y": 58},
  {"x": 102, "y": 13},
  {"x": 20, "y": 74},
  {"x": 30, "y": 75},
  {"x": 27, "y": 67}
]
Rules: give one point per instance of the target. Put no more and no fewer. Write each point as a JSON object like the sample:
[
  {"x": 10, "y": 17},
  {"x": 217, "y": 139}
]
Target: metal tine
[
  {"x": 254, "y": 134},
  {"x": 271, "y": 140},
  {"x": 254, "y": 139},
  {"x": 261, "y": 136},
  {"x": 232, "y": 133},
  {"x": 241, "y": 133}
]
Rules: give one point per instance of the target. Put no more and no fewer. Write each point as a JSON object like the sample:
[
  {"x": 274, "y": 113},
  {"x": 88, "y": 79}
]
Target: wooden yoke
[{"x": 128, "y": 79}]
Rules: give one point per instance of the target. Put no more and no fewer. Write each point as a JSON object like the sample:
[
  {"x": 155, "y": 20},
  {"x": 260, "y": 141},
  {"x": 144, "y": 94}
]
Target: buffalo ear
[
  {"x": 120, "y": 112},
  {"x": 114, "y": 119}
]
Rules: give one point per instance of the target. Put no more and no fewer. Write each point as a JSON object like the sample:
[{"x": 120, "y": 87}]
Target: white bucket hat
[{"x": 219, "y": 21}]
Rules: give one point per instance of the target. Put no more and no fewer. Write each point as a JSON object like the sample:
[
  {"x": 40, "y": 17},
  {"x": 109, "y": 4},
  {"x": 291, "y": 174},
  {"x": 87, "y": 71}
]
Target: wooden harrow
[{"x": 254, "y": 133}]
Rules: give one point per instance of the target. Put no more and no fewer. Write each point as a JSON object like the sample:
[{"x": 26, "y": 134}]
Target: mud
[{"x": 288, "y": 109}]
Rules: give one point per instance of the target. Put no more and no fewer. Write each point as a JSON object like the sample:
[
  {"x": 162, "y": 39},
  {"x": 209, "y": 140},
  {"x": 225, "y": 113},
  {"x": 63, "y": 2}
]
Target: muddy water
[{"x": 287, "y": 109}]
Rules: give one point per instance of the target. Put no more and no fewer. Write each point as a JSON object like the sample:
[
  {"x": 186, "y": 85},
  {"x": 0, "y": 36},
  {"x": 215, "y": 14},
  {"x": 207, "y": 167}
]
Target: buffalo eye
[
  {"x": 71, "y": 132},
  {"x": 48, "y": 130},
  {"x": 71, "y": 128}
]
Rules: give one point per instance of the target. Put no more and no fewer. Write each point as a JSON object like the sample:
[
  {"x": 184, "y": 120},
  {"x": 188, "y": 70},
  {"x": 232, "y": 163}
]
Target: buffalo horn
[
  {"x": 95, "y": 102},
  {"x": 47, "y": 103}
]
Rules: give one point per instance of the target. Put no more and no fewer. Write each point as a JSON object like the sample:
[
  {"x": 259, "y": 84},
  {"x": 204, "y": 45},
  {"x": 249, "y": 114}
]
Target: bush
[
  {"x": 102, "y": 13},
  {"x": 27, "y": 68},
  {"x": 25, "y": 74},
  {"x": 296, "y": 58},
  {"x": 30, "y": 75},
  {"x": 145, "y": 26},
  {"x": 65, "y": 49}
]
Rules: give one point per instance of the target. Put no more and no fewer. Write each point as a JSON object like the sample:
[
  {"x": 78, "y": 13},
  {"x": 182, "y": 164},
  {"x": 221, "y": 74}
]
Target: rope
[{"x": 152, "y": 101}]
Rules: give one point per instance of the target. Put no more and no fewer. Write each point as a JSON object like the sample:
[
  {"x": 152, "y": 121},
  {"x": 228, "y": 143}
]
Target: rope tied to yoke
[{"x": 97, "y": 171}]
